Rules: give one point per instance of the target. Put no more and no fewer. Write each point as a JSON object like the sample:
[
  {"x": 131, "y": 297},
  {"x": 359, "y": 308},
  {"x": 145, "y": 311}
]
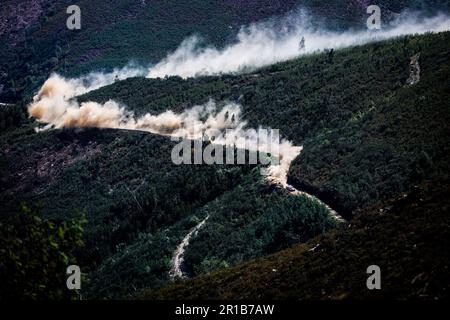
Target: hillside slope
[
  {"x": 368, "y": 137},
  {"x": 407, "y": 238}
]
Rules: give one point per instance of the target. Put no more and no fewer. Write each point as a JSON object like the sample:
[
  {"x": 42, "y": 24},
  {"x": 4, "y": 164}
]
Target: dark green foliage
[
  {"x": 11, "y": 116},
  {"x": 139, "y": 204},
  {"x": 34, "y": 256},
  {"x": 140, "y": 264},
  {"x": 125, "y": 182},
  {"x": 399, "y": 138},
  {"x": 244, "y": 223},
  {"x": 253, "y": 224}
]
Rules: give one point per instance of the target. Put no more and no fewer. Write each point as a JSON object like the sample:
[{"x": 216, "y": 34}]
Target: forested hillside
[
  {"x": 407, "y": 237},
  {"x": 352, "y": 110},
  {"x": 368, "y": 137},
  {"x": 139, "y": 205}
]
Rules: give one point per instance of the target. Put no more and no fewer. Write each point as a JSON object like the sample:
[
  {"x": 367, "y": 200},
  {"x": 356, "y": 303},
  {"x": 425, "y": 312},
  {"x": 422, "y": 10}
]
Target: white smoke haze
[
  {"x": 55, "y": 106},
  {"x": 264, "y": 44}
]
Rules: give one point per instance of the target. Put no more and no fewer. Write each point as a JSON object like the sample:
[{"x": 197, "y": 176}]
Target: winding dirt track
[{"x": 178, "y": 257}]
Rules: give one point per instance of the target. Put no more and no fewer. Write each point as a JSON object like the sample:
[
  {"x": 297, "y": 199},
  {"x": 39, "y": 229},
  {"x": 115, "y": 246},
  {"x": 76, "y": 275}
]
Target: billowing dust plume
[
  {"x": 266, "y": 43},
  {"x": 55, "y": 106},
  {"x": 256, "y": 45}
]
